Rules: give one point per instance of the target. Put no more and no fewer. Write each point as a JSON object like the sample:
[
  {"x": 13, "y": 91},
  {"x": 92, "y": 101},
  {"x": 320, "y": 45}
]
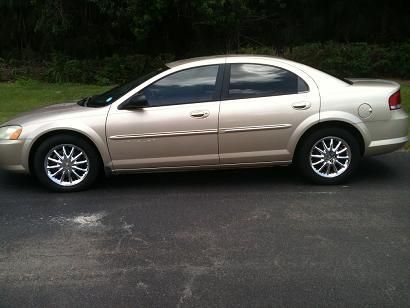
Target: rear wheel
[
  {"x": 328, "y": 156},
  {"x": 66, "y": 163}
]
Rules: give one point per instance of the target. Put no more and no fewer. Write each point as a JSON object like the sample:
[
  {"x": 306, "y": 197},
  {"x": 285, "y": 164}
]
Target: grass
[
  {"x": 405, "y": 101},
  {"x": 25, "y": 95}
]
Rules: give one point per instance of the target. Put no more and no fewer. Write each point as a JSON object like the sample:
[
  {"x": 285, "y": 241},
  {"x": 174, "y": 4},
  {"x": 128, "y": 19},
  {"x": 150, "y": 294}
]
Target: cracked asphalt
[{"x": 240, "y": 238}]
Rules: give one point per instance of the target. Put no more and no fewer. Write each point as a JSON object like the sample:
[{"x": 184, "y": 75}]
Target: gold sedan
[{"x": 207, "y": 113}]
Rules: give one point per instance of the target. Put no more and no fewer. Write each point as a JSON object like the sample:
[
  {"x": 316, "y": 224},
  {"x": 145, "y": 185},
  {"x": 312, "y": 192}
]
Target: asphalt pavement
[{"x": 234, "y": 238}]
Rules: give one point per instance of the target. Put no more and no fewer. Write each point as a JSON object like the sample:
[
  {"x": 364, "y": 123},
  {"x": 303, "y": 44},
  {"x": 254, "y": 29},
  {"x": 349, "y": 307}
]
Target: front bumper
[{"x": 11, "y": 155}]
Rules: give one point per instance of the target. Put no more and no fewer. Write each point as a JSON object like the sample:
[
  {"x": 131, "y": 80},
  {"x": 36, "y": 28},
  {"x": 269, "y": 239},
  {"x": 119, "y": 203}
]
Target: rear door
[{"x": 262, "y": 106}]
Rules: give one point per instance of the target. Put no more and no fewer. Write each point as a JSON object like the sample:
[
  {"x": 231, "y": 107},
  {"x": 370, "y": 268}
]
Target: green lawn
[
  {"x": 25, "y": 95},
  {"x": 405, "y": 101}
]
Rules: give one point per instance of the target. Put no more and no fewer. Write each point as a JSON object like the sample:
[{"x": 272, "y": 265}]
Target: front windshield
[{"x": 112, "y": 95}]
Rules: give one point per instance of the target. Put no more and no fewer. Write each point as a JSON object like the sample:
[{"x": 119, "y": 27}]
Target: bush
[
  {"x": 350, "y": 60},
  {"x": 345, "y": 60},
  {"x": 110, "y": 70}
]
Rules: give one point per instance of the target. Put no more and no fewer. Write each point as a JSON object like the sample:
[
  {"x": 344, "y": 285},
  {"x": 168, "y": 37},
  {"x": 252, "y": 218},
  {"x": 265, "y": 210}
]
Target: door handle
[
  {"x": 199, "y": 114},
  {"x": 301, "y": 105}
]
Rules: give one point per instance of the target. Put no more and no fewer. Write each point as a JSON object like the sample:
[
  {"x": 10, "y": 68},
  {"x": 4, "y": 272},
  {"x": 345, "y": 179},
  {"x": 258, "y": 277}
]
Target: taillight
[{"x": 395, "y": 101}]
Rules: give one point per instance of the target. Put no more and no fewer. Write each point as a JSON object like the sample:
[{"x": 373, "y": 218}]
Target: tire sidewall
[
  {"x": 53, "y": 141},
  {"x": 303, "y": 155}
]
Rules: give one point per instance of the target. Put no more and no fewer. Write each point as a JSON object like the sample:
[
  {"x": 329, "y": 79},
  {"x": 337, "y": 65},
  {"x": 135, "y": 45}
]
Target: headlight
[{"x": 10, "y": 132}]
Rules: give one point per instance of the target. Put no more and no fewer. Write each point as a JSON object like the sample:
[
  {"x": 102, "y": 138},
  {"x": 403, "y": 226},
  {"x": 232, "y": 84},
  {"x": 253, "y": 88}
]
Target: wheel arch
[
  {"x": 331, "y": 124},
  {"x": 49, "y": 134}
]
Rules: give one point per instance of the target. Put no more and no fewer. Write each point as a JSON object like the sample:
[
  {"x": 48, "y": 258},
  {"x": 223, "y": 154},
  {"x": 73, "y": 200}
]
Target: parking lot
[{"x": 231, "y": 238}]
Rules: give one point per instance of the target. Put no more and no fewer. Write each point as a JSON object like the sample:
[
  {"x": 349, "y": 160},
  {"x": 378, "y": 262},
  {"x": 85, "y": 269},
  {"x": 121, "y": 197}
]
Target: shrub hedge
[
  {"x": 351, "y": 60},
  {"x": 345, "y": 60},
  {"x": 106, "y": 71}
]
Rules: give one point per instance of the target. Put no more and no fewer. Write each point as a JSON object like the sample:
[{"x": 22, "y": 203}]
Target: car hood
[{"x": 61, "y": 111}]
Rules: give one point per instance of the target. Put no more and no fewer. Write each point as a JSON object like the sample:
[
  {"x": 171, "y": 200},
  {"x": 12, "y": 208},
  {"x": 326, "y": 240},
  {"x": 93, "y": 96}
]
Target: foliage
[
  {"x": 349, "y": 60},
  {"x": 345, "y": 60},
  {"x": 356, "y": 59},
  {"x": 89, "y": 29},
  {"x": 106, "y": 71}
]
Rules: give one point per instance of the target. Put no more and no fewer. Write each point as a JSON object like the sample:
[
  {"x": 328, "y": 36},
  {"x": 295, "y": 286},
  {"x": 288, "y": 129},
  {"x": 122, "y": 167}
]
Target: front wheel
[
  {"x": 328, "y": 156},
  {"x": 66, "y": 163}
]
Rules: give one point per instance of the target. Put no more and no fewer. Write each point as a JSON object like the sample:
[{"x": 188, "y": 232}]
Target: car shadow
[
  {"x": 379, "y": 169},
  {"x": 373, "y": 170},
  {"x": 210, "y": 178}
]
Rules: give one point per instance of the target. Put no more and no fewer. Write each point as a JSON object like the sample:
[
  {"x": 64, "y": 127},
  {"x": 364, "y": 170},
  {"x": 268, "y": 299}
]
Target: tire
[
  {"x": 328, "y": 166},
  {"x": 78, "y": 171}
]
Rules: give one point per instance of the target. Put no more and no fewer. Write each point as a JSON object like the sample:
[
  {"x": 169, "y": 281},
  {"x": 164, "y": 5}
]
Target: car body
[{"x": 214, "y": 112}]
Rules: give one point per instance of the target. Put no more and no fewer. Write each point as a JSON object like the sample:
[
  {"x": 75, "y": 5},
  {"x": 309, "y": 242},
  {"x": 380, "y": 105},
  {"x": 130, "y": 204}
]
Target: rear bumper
[
  {"x": 386, "y": 145},
  {"x": 11, "y": 154},
  {"x": 388, "y": 136}
]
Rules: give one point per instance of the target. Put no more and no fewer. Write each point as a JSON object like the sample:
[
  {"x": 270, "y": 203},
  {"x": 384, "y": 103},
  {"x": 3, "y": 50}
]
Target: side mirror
[{"x": 135, "y": 102}]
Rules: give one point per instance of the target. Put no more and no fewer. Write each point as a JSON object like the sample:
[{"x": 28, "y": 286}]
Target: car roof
[
  {"x": 322, "y": 79},
  {"x": 222, "y": 58}
]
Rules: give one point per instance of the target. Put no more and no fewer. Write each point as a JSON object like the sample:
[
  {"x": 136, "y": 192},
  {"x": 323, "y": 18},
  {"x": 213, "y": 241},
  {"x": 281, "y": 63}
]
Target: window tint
[
  {"x": 112, "y": 95},
  {"x": 302, "y": 85},
  {"x": 189, "y": 86},
  {"x": 255, "y": 80}
]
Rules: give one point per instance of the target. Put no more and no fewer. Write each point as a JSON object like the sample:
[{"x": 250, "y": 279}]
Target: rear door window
[{"x": 256, "y": 80}]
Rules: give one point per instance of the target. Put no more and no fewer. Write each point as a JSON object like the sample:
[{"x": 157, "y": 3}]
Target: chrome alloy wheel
[
  {"x": 330, "y": 157},
  {"x": 66, "y": 165}
]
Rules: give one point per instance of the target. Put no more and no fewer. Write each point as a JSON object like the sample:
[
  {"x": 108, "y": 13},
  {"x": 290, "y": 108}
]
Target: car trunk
[{"x": 367, "y": 82}]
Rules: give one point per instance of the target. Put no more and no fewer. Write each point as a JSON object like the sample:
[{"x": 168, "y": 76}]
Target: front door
[{"x": 177, "y": 129}]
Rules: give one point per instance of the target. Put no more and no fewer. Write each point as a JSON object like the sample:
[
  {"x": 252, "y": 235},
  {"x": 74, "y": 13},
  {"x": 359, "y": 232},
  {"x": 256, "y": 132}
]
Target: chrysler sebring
[{"x": 209, "y": 113}]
